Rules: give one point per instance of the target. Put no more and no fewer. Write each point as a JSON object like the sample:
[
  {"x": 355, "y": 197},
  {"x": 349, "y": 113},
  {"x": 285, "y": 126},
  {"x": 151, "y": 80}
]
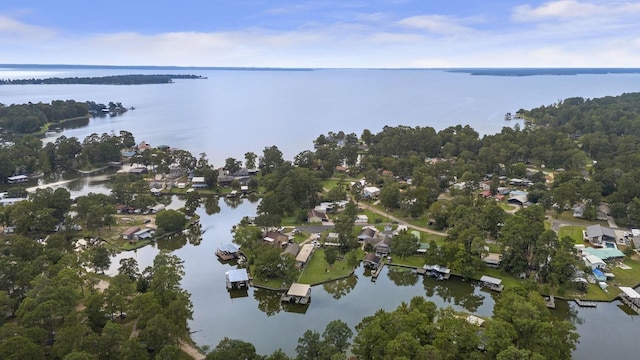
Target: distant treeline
[
  {"x": 135, "y": 79},
  {"x": 31, "y": 117}
]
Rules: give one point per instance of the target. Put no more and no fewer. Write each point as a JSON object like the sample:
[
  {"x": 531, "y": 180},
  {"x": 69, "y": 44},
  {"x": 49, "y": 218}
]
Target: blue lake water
[{"x": 232, "y": 112}]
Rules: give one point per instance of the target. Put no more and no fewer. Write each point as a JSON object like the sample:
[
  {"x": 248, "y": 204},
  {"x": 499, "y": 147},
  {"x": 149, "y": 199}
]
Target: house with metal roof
[{"x": 597, "y": 235}]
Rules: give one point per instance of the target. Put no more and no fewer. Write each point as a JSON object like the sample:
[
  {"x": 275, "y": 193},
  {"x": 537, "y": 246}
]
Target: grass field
[
  {"x": 574, "y": 232},
  {"x": 318, "y": 270}
]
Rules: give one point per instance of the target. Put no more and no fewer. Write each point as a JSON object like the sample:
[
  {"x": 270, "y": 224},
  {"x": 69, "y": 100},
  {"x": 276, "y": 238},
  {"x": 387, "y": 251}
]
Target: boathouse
[
  {"x": 492, "y": 283},
  {"x": 437, "y": 271},
  {"x": 631, "y": 298},
  {"x": 228, "y": 252},
  {"x": 297, "y": 294},
  {"x": 237, "y": 279}
]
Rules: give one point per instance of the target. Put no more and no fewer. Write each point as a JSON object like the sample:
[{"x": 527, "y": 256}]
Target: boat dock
[
  {"x": 583, "y": 303},
  {"x": 377, "y": 271},
  {"x": 550, "y": 301}
]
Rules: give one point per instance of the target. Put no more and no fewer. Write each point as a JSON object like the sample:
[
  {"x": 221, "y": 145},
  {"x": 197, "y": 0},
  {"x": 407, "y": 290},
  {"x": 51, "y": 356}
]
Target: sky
[{"x": 322, "y": 33}]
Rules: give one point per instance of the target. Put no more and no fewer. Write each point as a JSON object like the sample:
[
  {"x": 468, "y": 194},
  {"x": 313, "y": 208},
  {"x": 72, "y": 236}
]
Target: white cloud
[
  {"x": 573, "y": 9},
  {"x": 438, "y": 24},
  {"x": 12, "y": 29}
]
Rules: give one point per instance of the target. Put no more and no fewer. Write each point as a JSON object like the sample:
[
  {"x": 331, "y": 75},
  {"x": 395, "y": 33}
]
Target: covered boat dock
[
  {"x": 492, "y": 283},
  {"x": 631, "y": 298},
  {"x": 297, "y": 294},
  {"x": 237, "y": 279}
]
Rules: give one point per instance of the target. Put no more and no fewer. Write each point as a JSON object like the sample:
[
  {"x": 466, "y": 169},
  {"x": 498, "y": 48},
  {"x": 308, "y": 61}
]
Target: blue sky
[{"x": 347, "y": 33}]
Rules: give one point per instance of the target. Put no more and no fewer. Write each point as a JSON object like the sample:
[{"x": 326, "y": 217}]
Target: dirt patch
[{"x": 191, "y": 351}]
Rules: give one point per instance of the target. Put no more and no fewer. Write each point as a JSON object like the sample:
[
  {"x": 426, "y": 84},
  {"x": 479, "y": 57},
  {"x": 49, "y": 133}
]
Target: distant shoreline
[{"x": 465, "y": 70}]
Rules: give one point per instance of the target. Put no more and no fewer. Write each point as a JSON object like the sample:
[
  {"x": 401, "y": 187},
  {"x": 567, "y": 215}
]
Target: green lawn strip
[
  {"x": 505, "y": 206},
  {"x": 318, "y": 270},
  {"x": 289, "y": 221},
  {"x": 416, "y": 261},
  {"x": 330, "y": 184},
  {"x": 574, "y": 232},
  {"x": 507, "y": 279}
]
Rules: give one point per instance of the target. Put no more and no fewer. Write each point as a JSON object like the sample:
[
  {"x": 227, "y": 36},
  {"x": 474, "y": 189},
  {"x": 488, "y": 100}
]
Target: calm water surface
[{"x": 233, "y": 112}]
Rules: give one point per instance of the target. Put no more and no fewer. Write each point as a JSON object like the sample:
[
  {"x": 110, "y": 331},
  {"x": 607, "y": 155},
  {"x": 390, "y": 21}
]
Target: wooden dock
[
  {"x": 377, "y": 271},
  {"x": 583, "y": 303},
  {"x": 550, "y": 301}
]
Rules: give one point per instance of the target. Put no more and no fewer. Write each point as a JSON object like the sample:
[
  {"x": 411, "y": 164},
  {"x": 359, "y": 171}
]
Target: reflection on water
[
  {"x": 402, "y": 276},
  {"x": 268, "y": 301},
  {"x": 262, "y": 311},
  {"x": 340, "y": 288}
]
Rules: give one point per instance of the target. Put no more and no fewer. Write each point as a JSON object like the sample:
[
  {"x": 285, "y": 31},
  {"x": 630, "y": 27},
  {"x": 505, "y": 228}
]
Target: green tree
[
  {"x": 232, "y": 349},
  {"x": 405, "y": 244},
  {"x": 20, "y": 348},
  {"x": 337, "y": 334},
  {"x": 170, "y": 220}
]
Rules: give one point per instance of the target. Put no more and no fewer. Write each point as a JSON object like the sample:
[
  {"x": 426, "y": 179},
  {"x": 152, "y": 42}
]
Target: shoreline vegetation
[{"x": 134, "y": 79}]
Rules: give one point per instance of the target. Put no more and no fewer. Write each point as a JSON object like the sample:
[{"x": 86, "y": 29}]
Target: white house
[
  {"x": 594, "y": 262},
  {"x": 371, "y": 192}
]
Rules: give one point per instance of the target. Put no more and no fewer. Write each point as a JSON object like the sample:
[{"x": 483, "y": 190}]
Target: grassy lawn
[
  {"x": 330, "y": 184},
  {"x": 574, "y": 232},
  {"x": 318, "y": 270},
  {"x": 629, "y": 277},
  {"x": 507, "y": 279},
  {"x": 506, "y": 207},
  {"x": 414, "y": 261}
]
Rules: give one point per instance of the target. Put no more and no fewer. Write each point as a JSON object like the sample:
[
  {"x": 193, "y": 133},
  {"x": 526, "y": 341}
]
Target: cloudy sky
[{"x": 322, "y": 33}]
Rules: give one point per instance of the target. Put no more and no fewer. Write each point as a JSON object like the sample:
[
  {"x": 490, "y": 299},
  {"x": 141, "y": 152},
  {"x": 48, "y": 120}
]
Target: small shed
[
  {"x": 371, "y": 192},
  {"x": 362, "y": 219},
  {"x": 492, "y": 283},
  {"x": 298, "y": 294},
  {"x": 237, "y": 279}
]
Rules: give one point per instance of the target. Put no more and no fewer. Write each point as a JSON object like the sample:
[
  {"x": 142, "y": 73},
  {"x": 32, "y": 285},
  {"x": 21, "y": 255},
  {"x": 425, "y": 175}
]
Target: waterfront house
[
  {"x": 276, "y": 238},
  {"x": 492, "y": 283},
  {"x": 304, "y": 255},
  {"x": 143, "y": 234},
  {"x": 237, "y": 279},
  {"x": 128, "y": 234},
  {"x": 371, "y": 261},
  {"x": 298, "y": 294},
  {"x": 225, "y": 180},
  {"x": 597, "y": 235},
  {"x": 197, "y": 182}
]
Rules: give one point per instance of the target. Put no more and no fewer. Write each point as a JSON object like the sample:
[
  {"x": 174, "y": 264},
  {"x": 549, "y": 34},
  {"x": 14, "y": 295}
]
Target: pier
[{"x": 583, "y": 303}]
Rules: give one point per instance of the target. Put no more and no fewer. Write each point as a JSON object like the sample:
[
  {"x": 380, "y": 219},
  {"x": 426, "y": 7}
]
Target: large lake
[{"x": 232, "y": 112}]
